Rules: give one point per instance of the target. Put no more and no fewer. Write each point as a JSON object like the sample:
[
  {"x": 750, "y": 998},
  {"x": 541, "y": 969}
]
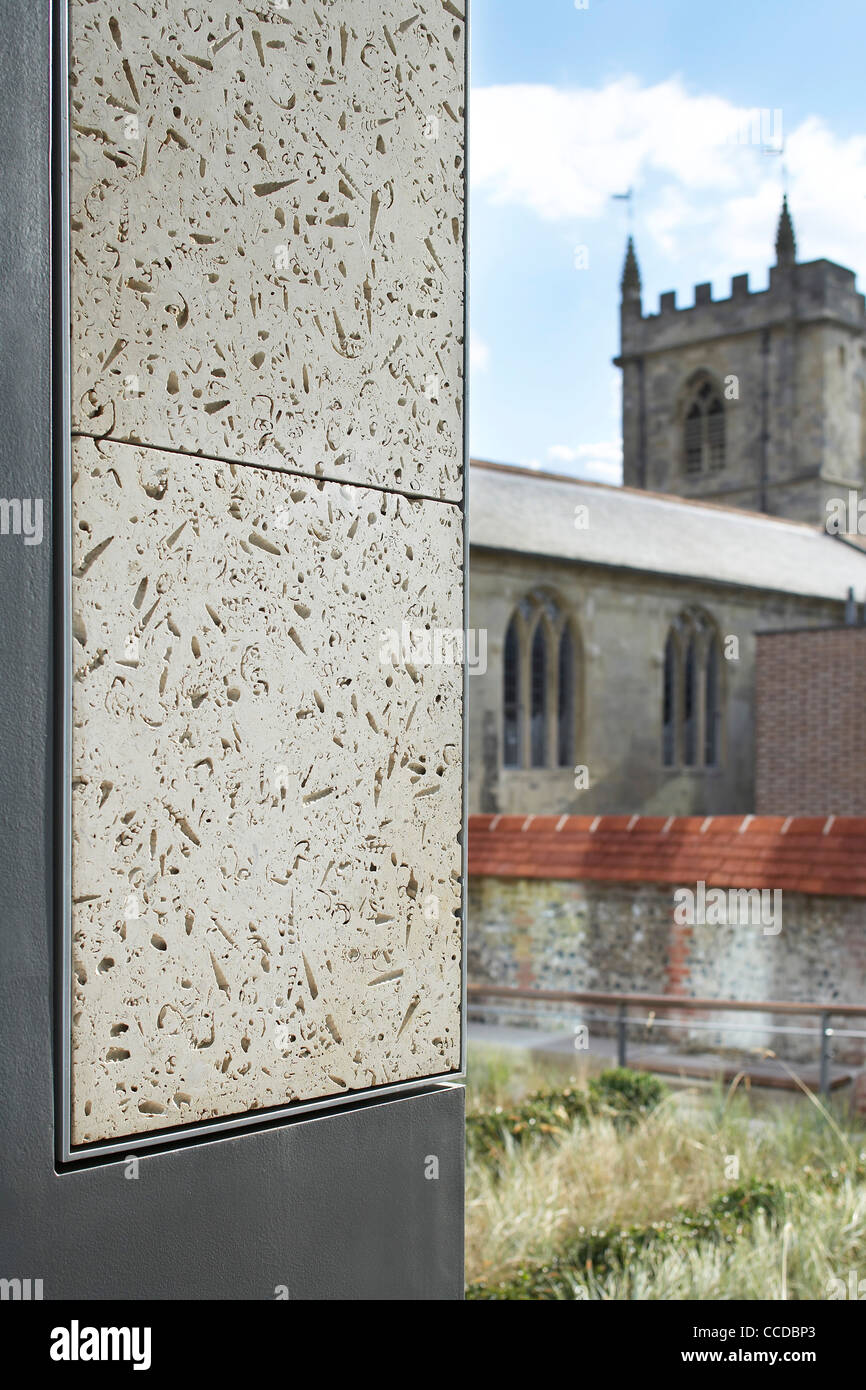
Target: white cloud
[
  {"x": 562, "y": 153},
  {"x": 479, "y": 354},
  {"x": 562, "y": 453},
  {"x": 601, "y": 463}
]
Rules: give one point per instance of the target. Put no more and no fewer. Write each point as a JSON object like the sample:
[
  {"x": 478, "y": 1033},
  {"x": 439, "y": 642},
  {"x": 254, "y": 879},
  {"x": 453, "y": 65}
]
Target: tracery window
[
  {"x": 704, "y": 427},
  {"x": 691, "y": 695},
  {"x": 540, "y": 684},
  {"x": 511, "y": 698}
]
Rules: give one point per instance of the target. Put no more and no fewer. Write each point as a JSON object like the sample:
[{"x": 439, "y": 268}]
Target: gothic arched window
[
  {"x": 669, "y": 704},
  {"x": 565, "y": 704},
  {"x": 540, "y": 690},
  {"x": 690, "y": 705},
  {"x": 712, "y": 711},
  {"x": 703, "y": 427},
  {"x": 691, "y": 694},
  {"x": 538, "y": 698},
  {"x": 511, "y": 698}
]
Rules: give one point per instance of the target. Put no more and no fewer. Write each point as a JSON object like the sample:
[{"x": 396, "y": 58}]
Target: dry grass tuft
[{"x": 681, "y": 1155}]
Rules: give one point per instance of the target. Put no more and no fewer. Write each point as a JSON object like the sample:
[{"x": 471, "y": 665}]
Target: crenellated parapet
[
  {"x": 810, "y": 292},
  {"x": 756, "y": 398}
]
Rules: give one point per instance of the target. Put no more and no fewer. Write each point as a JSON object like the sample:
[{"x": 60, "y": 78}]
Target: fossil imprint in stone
[
  {"x": 267, "y": 228},
  {"x": 265, "y": 813}
]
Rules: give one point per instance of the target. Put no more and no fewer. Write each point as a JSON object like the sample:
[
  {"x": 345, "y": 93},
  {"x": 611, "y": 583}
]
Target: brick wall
[
  {"x": 588, "y": 903},
  {"x": 810, "y": 705}
]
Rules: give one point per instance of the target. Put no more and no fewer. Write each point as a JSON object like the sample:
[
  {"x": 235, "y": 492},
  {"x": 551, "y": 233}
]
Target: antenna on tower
[
  {"x": 767, "y": 148},
  {"x": 628, "y": 198}
]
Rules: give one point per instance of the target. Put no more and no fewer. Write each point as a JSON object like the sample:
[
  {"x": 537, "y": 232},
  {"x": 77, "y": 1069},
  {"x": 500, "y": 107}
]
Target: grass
[
  {"x": 818, "y": 1236},
  {"x": 539, "y": 1204},
  {"x": 497, "y": 1077}
]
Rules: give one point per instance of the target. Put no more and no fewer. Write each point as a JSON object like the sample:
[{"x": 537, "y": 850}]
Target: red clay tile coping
[{"x": 820, "y": 855}]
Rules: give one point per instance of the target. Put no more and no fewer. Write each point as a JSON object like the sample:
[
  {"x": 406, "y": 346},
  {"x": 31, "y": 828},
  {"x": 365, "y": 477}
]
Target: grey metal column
[{"x": 346, "y": 1205}]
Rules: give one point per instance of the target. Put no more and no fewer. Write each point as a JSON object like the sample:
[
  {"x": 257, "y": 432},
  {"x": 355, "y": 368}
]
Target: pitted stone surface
[
  {"x": 267, "y": 229},
  {"x": 265, "y": 811}
]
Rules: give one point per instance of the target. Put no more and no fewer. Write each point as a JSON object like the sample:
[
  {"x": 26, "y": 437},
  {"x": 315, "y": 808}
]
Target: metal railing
[{"x": 655, "y": 1002}]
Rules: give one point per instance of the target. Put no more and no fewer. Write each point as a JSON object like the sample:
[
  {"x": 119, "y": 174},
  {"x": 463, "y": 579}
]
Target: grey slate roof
[{"x": 522, "y": 510}]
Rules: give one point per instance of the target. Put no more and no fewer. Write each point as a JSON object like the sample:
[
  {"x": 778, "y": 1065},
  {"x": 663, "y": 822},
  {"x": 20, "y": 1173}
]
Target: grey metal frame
[{"x": 60, "y": 320}]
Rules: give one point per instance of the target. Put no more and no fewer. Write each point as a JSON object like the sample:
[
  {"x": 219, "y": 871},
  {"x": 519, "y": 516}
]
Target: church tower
[{"x": 755, "y": 401}]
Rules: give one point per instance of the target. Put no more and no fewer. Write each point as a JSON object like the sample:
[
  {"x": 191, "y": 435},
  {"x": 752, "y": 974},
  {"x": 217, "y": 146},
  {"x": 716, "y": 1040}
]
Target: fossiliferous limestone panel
[
  {"x": 267, "y": 233},
  {"x": 266, "y": 789}
]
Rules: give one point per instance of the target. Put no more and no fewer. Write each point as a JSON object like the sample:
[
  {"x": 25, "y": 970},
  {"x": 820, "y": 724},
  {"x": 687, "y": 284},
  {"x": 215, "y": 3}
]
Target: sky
[{"x": 572, "y": 103}]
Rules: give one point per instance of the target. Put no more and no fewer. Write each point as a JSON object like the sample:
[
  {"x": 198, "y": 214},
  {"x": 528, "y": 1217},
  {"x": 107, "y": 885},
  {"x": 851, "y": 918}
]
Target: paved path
[{"x": 656, "y": 1057}]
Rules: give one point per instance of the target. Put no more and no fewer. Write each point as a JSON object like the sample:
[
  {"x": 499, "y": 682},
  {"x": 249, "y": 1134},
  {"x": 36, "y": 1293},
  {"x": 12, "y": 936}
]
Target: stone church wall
[
  {"x": 622, "y": 620},
  {"x": 554, "y": 934}
]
